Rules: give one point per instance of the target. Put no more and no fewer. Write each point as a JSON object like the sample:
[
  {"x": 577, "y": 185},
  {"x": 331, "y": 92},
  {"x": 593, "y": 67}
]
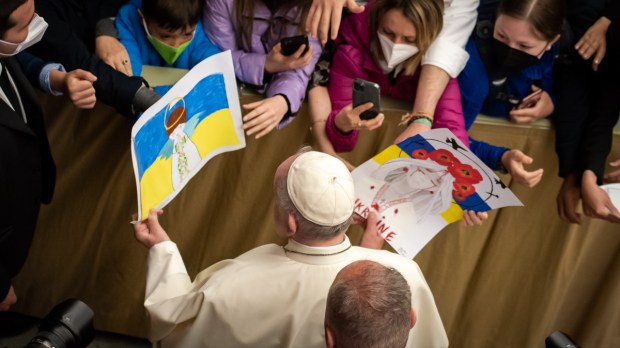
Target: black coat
[
  {"x": 587, "y": 103},
  {"x": 27, "y": 176},
  {"x": 70, "y": 40}
]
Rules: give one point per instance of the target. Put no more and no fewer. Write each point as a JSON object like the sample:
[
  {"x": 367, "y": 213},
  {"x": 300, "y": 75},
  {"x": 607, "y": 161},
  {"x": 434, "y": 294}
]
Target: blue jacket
[
  {"x": 141, "y": 52},
  {"x": 474, "y": 86}
]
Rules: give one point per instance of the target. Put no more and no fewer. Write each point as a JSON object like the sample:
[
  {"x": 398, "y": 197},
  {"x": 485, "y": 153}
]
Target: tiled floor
[{"x": 17, "y": 330}]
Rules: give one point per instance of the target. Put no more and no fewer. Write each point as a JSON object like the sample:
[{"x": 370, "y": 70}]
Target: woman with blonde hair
[{"x": 385, "y": 44}]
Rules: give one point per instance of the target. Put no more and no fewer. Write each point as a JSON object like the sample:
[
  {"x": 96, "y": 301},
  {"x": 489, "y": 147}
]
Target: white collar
[{"x": 317, "y": 255}]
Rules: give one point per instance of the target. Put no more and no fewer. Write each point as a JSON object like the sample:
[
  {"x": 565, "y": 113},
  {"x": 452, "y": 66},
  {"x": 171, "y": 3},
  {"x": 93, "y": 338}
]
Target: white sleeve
[{"x": 447, "y": 52}]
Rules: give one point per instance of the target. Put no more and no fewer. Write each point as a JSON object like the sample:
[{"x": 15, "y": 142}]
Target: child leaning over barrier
[
  {"x": 253, "y": 29},
  {"x": 163, "y": 33}
]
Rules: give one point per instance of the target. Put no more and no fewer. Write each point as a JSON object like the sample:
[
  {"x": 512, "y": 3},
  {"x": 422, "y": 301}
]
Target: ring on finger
[
  {"x": 359, "y": 124},
  {"x": 125, "y": 61}
]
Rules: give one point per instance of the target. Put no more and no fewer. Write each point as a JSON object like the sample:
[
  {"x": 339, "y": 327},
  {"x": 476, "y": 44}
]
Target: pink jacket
[{"x": 353, "y": 59}]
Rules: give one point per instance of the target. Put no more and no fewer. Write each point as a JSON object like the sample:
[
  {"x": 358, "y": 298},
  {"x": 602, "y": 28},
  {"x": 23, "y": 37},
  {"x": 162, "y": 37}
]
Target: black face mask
[{"x": 510, "y": 61}]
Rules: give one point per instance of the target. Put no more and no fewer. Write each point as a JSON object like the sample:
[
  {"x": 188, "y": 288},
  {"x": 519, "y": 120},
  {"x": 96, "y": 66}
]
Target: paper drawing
[
  {"x": 197, "y": 119},
  {"x": 423, "y": 184}
]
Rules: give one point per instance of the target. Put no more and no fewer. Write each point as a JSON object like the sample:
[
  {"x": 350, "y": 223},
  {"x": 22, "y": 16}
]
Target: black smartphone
[
  {"x": 364, "y": 92},
  {"x": 290, "y": 45}
]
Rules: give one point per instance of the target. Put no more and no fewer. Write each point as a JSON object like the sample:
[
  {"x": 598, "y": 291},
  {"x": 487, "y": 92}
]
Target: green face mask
[{"x": 167, "y": 52}]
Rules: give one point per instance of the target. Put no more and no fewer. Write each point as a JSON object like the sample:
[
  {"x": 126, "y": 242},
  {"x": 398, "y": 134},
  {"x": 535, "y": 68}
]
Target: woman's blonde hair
[{"x": 426, "y": 17}]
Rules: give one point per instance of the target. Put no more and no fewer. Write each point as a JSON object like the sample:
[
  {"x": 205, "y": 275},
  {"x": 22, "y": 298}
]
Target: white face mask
[
  {"x": 394, "y": 53},
  {"x": 36, "y": 29}
]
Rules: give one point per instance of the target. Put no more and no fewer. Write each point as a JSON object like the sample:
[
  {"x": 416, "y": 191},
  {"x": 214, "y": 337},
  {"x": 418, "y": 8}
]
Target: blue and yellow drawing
[{"x": 209, "y": 125}]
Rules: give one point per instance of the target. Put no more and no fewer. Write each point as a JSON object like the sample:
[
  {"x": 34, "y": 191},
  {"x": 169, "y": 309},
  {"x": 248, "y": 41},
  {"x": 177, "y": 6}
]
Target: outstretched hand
[
  {"x": 264, "y": 115},
  {"x": 514, "y": 161},
  {"x": 324, "y": 13},
  {"x": 149, "y": 232}
]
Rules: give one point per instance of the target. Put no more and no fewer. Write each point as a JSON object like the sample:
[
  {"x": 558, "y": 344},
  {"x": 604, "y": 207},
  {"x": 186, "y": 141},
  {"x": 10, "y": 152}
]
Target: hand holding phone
[
  {"x": 290, "y": 45},
  {"x": 364, "y": 92},
  {"x": 530, "y": 100}
]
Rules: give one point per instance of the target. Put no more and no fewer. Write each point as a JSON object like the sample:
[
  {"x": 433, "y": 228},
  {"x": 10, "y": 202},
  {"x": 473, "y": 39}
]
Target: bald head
[{"x": 368, "y": 305}]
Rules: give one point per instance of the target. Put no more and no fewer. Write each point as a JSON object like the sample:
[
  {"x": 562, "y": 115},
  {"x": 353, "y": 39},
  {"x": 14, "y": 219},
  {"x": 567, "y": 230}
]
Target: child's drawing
[{"x": 197, "y": 119}]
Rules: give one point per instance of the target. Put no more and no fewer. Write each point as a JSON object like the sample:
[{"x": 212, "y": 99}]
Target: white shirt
[
  {"x": 267, "y": 297},
  {"x": 448, "y": 50},
  {"x": 4, "y": 97}
]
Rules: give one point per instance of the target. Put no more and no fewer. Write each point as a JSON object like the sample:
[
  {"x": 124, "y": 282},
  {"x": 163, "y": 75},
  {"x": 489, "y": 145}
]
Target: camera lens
[{"x": 68, "y": 325}]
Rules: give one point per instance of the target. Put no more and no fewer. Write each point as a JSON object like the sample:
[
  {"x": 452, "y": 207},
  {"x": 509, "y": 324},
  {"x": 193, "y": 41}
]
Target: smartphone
[
  {"x": 530, "y": 100},
  {"x": 364, "y": 92},
  {"x": 290, "y": 45}
]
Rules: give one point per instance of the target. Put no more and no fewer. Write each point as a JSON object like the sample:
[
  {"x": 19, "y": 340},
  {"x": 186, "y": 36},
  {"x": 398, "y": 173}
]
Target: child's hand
[
  {"x": 265, "y": 115},
  {"x": 113, "y": 53},
  {"x": 471, "y": 218},
  {"x": 542, "y": 108},
  {"x": 593, "y": 42},
  {"x": 349, "y": 118},
  {"x": 514, "y": 160},
  {"x": 277, "y": 62}
]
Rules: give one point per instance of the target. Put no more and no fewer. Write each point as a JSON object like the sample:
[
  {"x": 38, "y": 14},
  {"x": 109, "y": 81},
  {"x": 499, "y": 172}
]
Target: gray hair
[{"x": 369, "y": 305}]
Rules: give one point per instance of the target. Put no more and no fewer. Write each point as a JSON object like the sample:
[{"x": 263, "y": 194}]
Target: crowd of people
[{"x": 523, "y": 60}]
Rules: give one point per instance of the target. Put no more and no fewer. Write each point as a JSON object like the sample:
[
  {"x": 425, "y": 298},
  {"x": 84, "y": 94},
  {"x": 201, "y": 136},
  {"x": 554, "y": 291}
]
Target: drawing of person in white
[
  {"x": 185, "y": 155},
  {"x": 417, "y": 188}
]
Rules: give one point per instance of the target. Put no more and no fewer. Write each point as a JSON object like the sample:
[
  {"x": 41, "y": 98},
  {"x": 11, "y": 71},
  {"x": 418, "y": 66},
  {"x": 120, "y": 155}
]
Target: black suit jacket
[
  {"x": 27, "y": 176},
  {"x": 70, "y": 40}
]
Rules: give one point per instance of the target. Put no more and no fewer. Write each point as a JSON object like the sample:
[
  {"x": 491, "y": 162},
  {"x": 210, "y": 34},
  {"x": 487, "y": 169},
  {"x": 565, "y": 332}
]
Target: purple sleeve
[
  {"x": 219, "y": 27},
  {"x": 293, "y": 83}
]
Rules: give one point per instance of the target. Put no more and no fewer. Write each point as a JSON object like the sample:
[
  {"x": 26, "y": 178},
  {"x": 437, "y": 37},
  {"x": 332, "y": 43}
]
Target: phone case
[
  {"x": 530, "y": 100},
  {"x": 290, "y": 45},
  {"x": 364, "y": 92}
]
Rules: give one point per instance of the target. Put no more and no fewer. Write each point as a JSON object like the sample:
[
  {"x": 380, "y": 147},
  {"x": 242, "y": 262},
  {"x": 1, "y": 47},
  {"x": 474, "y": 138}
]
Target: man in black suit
[
  {"x": 70, "y": 41},
  {"x": 27, "y": 171}
]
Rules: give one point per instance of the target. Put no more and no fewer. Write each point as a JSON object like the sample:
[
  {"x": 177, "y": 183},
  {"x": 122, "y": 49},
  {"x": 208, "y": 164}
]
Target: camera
[{"x": 68, "y": 325}]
